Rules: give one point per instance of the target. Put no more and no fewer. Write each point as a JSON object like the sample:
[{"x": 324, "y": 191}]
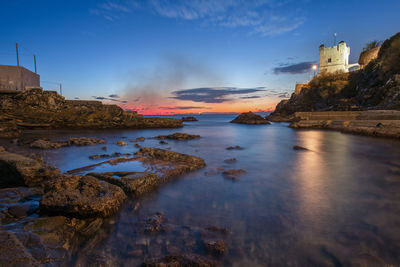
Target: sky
[{"x": 177, "y": 56}]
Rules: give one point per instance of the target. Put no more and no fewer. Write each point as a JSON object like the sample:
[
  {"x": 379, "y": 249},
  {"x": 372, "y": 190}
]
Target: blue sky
[{"x": 145, "y": 52}]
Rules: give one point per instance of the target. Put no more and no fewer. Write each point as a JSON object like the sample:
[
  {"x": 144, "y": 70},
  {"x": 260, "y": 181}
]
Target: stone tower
[{"x": 334, "y": 58}]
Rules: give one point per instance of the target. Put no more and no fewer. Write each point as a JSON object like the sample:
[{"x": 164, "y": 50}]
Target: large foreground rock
[
  {"x": 81, "y": 197},
  {"x": 18, "y": 170},
  {"x": 250, "y": 118}
]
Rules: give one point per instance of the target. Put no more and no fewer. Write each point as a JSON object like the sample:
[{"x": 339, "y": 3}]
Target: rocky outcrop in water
[
  {"x": 377, "y": 86},
  {"x": 46, "y": 109},
  {"x": 250, "y": 118},
  {"x": 76, "y": 141},
  {"x": 190, "y": 118},
  {"x": 179, "y": 136}
]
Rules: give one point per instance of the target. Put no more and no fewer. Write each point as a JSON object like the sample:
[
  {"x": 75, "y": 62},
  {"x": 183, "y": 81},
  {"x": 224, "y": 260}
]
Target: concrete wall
[
  {"x": 334, "y": 59},
  {"x": 13, "y": 78}
]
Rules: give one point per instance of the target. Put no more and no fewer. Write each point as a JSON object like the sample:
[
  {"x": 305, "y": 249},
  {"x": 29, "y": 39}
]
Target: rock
[
  {"x": 189, "y": 118},
  {"x": 180, "y": 260},
  {"x": 13, "y": 252},
  {"x": 99, "y": 156},
  {"x": 179, "y": 136},
  {"x": 85, "y": 141},
  {"x": 177, "y": 163},
  {"x": 121, "y": 143},
  {"x": 81, "y": 197},
  {"x": 153, "y": 223},
  {"x": 20, "y": 210},
  {"x": 234, "y": 148},
  {"x": 133, "y": 183},
  {"x": 139, "y": 139},
  {"x": 250, "y": 118},
  {"x": 162, "y": 142},
  {"x": 2, "y": 149},
  {"x": 300, "y": 148},
  {"x": 104, "y": 148},
  {"x": 231, "y": 160},
  {"x": 215, "y": 247},
  {"x": 233, "y": 174},
  {"x": 46, "y": 144},
  {"x": 137, "y": 146},
  {"x": 18, "y": 170}
]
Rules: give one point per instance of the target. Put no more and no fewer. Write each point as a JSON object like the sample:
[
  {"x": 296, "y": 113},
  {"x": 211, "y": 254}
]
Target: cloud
[
  {"x": 297, "y": 68},
  {"x": 109, "y": 99},
  {"x": 250, "y": 97},
  {"x": 213, "y": 94},
  {"x": 184, "y": 108},
  {"x": 263, "y": 17},
  {"x": 114, "y": 96}
]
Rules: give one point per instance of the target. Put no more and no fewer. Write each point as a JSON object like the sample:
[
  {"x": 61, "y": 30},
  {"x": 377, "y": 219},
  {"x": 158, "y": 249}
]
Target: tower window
[{"x": 329, "y": 60}]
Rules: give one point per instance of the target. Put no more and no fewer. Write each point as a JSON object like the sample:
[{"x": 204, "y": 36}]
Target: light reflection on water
[{"x": 336, "y": 204}]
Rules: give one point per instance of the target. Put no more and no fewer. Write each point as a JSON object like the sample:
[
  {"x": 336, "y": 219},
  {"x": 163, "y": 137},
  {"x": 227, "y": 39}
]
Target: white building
[{"x": 335, "y": 58}]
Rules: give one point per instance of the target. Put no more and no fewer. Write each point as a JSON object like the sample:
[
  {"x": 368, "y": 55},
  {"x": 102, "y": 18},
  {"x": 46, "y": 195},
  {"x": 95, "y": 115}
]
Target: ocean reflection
[{"x": 336, "y": 204}]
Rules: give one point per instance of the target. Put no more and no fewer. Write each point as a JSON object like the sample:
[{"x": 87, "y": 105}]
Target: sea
[{"x": 336, "y": 203}]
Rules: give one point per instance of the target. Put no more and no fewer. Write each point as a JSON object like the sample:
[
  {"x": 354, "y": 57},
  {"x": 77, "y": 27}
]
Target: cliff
[
  {"x": 47, "y": 109},
  {"x": 376, "y": 87}
]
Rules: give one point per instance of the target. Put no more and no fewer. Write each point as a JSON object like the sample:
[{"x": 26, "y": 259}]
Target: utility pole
[
  {"x": 16, "y": 48},
  {"x": 34, "y": 61}
]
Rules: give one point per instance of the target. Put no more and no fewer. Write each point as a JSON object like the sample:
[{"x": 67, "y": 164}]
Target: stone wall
[
  {"x": 367, "y": 56},
  {"x": 13, "y": 78}
]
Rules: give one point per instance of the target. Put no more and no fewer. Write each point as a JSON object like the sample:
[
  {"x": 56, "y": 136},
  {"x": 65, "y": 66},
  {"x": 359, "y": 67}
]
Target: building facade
[{"x": 15, "y": 78}]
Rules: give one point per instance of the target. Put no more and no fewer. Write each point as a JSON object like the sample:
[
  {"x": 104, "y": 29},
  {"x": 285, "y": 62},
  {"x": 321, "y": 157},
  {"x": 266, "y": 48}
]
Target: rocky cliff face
[
  {"x": 377, "y": 86},
  {"x": 47, "y": 109}
]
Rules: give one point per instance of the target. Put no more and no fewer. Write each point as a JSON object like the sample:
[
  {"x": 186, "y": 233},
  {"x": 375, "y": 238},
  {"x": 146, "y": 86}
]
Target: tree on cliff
[{"x": 372, "y": 45}]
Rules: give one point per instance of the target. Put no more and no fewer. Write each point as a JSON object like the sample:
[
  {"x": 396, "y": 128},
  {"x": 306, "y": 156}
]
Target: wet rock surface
[
  {"x": 169, "y": 164},
  {"x": 46, "y": 144},
  {"x": 81, "y": 197},
  {"x": 18, "y": 170},
  {"x": 179, "y": 136},
  {"x": 120, "y": 143},
  {"x": 77, "y": 141},
  {"x": 133, "y": 183},
  {"x": 250, "y": 118},
  {"x": 230, "y": 160}
]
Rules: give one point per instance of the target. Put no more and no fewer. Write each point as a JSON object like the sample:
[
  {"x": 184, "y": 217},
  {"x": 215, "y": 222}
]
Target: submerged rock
[
  {"x": 300, "y": 148},
  {"x": 231, "y": 160},
  {"x": 215, "y": 247},
  {"x": 233, "y": 174},
  {"x": 162, "y": 142},
  {"x": 179, "y": 136},
  {"x": 18, "y": 170},
  {"x": 138, "y": 139},
  {"x": 234, "y": 148},
  {"x": 250, "y": 118},
  {"x": 120, "y": 143},
  {"x": 189, "y": 118},
  {"x": 133, "y": 183},
  {"x": 81, "y": 197}
]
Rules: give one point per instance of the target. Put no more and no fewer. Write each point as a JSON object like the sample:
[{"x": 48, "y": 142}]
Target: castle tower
[{"x": 334, "y": 59}]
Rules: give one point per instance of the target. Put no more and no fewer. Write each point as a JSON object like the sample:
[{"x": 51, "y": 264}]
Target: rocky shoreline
[
  {"x": 46, "y": 215},
  {"x": 38, "y": 109}
]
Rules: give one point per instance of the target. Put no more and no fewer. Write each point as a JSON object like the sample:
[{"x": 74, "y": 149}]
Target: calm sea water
[{"x": 337, "y": 204}]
